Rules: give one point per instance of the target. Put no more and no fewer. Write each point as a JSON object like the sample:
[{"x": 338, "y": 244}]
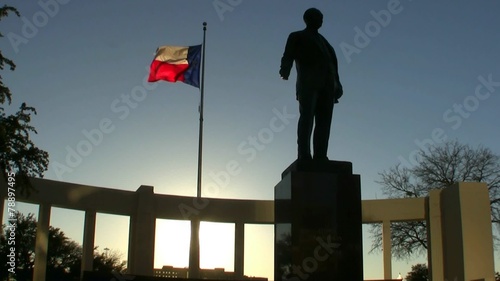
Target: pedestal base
[{"x": 318, "y": 233}]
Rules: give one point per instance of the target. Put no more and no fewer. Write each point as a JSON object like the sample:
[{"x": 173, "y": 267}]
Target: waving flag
[{"x": 173, "y": 63}]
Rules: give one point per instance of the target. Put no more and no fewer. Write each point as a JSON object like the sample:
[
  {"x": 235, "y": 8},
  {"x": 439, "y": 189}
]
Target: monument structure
[
  {"x": 318, "y": 228},
  {"x": 318, "y": 85}
]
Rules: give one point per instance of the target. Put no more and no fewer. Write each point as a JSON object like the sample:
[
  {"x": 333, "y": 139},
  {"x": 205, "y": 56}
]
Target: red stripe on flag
[{"x": 165, "y": 71}]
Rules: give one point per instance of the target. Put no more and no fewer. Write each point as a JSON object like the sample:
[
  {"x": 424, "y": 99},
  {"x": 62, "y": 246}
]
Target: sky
[{"x": 414, "y": 73}]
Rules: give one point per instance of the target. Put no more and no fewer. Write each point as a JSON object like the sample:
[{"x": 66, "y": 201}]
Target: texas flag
[{"x": 173, "y": 63}]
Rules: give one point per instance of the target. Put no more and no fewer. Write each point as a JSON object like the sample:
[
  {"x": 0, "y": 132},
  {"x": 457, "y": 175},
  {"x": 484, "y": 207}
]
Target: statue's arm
[
  {"x": 339, "y": 91},
  {"x": 288, "y": 57}
]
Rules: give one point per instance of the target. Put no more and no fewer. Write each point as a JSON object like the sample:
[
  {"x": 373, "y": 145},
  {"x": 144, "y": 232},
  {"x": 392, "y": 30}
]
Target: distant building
[
  {"x": 171, "y": 272},
  {"x": 213, "y": 274}
]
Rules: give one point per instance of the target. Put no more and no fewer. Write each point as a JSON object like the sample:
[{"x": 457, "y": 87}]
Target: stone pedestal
[{"x": 318, "y": 230}]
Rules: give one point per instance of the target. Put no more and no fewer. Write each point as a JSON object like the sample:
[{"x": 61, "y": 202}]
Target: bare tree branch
[{"x": 438, "y": 167}]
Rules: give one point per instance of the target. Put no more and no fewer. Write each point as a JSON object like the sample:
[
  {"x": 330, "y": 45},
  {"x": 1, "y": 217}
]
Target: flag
[{"x": 173, "y": 63}]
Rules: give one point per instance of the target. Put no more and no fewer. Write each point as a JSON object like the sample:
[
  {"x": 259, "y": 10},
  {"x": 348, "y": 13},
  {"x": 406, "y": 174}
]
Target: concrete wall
[{"x": 444, "y": 212}]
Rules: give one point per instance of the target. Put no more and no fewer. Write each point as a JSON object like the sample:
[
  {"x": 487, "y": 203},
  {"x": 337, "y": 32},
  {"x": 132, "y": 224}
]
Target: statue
[{"x": 318, "y": 85}]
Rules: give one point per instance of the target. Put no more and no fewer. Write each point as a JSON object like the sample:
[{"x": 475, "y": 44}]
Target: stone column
[
  {"x": 434, "y": 236},
  {"x": 387, "y": 249},
  {"x": 42, "y": 242},
  {"x": 239, "y": 250},
  {"x": 88, "y": 241},
  {"x": 318, "y": 230},
  {"x": 142, "y": 233},
  {"x": 194, "y": 250},
  {"x": 467, "y": 233}
]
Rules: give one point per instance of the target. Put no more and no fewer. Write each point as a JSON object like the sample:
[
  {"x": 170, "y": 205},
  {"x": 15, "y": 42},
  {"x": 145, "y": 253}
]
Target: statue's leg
[
  {"x": 323, "y": 121},
  {"x": 307, "y": 103}
]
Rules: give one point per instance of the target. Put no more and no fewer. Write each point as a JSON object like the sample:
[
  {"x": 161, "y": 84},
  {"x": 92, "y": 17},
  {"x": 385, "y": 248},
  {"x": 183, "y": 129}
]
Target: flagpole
[
  {"x": 194, "y": 251},
  {"x": 202, "y": 88}
]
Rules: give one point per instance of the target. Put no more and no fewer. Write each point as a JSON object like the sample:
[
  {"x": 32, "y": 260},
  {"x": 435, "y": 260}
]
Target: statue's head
[{"x": 313, "y": 18}]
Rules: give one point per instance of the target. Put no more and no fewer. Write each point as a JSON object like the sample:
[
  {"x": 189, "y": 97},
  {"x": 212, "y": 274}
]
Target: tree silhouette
[
  {"x": 438, "y": 167},
  {"x": 419, "y": 272},
  {"x": 18, "y": 153},
  {"x": 63, "y": 257}
]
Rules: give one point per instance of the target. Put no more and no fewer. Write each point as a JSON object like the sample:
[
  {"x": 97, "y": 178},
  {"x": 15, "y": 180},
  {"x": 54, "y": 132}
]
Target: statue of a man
[{"x": 318, "y": 84}]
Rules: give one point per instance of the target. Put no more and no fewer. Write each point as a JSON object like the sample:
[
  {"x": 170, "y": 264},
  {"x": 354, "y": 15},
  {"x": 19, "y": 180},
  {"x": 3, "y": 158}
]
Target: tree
[
  {"x": 63, "y": 257},
  {"x": 25, "y": 230},
  {"x": 438, "y": 167},
  {"x": 18, "y": 153},
  {"x": 108, "y": 261},
  {"x": 419, "y": 272}
]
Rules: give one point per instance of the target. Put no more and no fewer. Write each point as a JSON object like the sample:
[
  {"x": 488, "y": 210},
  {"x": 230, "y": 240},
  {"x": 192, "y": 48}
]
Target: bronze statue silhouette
[{"x": 318, "y": 85}]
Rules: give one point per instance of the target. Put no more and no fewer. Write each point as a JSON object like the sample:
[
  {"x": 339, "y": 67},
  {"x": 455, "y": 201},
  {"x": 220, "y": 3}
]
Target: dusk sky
[{"x": 413, "y": 73}]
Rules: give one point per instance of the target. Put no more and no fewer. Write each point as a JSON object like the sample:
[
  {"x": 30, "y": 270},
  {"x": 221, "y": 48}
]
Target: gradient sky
[{"x": 410, "y": 70}]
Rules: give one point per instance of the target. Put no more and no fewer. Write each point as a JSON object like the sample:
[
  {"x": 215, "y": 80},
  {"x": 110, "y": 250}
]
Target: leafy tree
[
  {"x": 419, "y": 272},
  {"x": 18, "y": 153},
  {"x": 109, "y": 261},
  {"x": 63, "y": 257},
  {"x": 25, "y": 231},
  {"x": 438, "y": 167}
]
